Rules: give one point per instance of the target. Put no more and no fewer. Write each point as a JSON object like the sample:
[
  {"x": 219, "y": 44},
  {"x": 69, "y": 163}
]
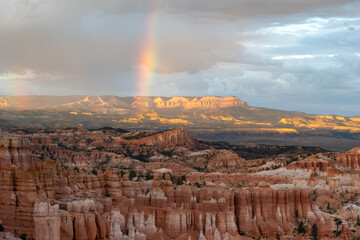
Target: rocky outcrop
[
  {"x": 177, "y": 136},
  {"x": 91, "y": 101},
  {"x": 209, "y": 102},
  {"x": 15, "y": 150},
  {"x": 17, "y": 197},
  {"x": 265, "y": 211},
  {"x": 152, "y": 116},
  {"x": 224, "y": 159},
  {"x": 81, "y": 221},
  {"x": 42, "y": 142},
  {"x": 314, "y": 164},
  {"x": 172, "y": 103},
  {"x": 350, "y": 159},
  {"x": 46, "y": 221},
  {"x": 140, "y": 102}
]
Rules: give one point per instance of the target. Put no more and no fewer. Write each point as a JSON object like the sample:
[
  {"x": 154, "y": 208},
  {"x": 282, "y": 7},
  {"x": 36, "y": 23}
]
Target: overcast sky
[{"x": 287, "y": 54}]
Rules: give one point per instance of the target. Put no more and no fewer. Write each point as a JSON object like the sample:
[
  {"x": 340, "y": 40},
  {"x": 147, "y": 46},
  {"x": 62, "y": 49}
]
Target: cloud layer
[{"x": 296, "y": 55}]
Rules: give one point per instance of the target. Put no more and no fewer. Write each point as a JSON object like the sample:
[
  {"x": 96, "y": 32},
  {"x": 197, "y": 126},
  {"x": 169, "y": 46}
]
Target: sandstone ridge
[{"x": 204, "y": 102}]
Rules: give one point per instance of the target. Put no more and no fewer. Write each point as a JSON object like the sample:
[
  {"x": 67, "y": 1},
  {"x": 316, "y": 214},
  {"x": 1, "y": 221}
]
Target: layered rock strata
[
  {"x": 350, "y": 159},
  {"x": 117, "y": 208},
  {"x": 15, "y": 150},
  {"x": 44, "y": 200}
]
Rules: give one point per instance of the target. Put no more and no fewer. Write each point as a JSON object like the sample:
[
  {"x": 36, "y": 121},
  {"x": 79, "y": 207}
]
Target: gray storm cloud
[{"x": 94, "y": 47}]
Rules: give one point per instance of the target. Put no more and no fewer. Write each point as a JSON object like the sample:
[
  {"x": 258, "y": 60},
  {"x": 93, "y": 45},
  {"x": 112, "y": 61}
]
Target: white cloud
[
  {"x": 303, "y": 56},
  {"x": 8, "y": 76},
  {"x": 310, "y": 26}
]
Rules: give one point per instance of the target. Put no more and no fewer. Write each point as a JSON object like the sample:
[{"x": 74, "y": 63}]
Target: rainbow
[
  {"x": 147, "y": 59},
  {"x": 15, "y": 82}
]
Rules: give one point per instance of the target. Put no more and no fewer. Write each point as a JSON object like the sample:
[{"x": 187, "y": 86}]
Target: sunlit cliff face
[
  {"x": 208, "y": 112},
  {"x": 351, "y": 124},
  {"x": 209, "y": 118}
]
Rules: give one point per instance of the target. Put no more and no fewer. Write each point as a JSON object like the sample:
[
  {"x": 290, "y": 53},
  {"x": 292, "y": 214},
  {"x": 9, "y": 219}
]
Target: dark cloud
[
  {"x": 251, "y": 48},
  {"x": 245, "y": 9}
]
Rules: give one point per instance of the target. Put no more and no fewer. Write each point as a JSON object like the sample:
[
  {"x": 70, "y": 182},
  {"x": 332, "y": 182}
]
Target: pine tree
[{"x": 314, "y": 232}]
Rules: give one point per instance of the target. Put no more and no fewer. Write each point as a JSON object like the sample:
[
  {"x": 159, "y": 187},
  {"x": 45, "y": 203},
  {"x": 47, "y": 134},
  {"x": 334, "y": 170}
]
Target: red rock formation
[
  {"x": 315, "y": 164},
  {"x": 18, "y": 194},
  {"x": 265, "y": 211},
  {"x": 177, "y": 136},
  {"x": 46, "y": 221},
  {"x": 350, "y": 159},
  {"x": 224, "y": 159},
  {"x": 47, "y": 201},
  {"x": 42, "y": 142},
  {"x": 15, "y": 150},
  {"x": 172, "y": 214},
  {"x": 163, "y": 212}
]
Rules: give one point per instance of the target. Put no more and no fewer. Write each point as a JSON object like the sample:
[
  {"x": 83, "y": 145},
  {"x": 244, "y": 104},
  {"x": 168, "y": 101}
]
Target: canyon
[{"x": 110, "y": 183}]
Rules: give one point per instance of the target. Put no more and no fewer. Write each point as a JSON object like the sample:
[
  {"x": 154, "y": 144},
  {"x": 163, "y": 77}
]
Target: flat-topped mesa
[
  {"x": 140, "y": 102},
  {"x": 15, "y": 150},
  {"x": 172, "y": 103},
  {"x": 178, "y": 136},
  {"x": 216, "y": 102},
  {"x": 204, "y": 102}
]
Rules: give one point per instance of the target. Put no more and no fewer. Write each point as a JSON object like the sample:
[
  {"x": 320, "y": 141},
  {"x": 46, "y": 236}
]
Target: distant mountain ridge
[
  {"x": 34, "y": 101},
  {"x": 206, "y": 118}
]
